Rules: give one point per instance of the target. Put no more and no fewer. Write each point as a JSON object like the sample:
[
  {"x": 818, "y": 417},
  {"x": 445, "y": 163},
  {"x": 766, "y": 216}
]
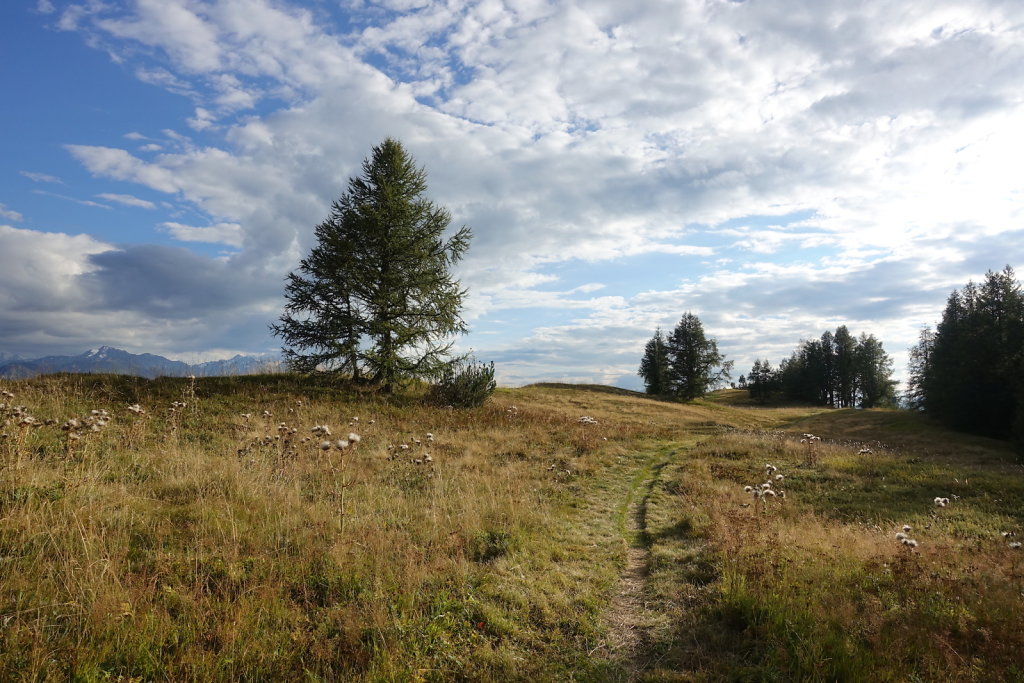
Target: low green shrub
[{"x": 465, "y": 384}]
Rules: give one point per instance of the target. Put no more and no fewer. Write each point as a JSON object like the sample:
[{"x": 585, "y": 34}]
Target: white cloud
[
  {"x": 120, "y": 165},
  {"x": 127, "y": 200},
  {"x": 221, "y": 233},
  {"x": 597, "y": 132},
  {"x": 202, "y": 120},
  {"x": 172, "y": 26},
  {"x": 63, "y": 293},
  {"x": 39, "y": 269},
  {"x": 41, "y": 177},
  {"x": 82, "y": 202},
  {"x": 163, "y": 78},
  {"x": 10, "y": 214}
]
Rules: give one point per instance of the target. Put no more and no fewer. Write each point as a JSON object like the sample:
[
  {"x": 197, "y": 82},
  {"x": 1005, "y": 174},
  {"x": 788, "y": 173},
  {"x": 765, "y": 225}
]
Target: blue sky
[{"x": 776, "y": 168}]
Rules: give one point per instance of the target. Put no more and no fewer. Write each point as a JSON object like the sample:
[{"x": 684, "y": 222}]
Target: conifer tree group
[
  {"x": 969, "y": 372},
  {"x": 837, "y": 370},
  {"x": 684, "y": 365}
]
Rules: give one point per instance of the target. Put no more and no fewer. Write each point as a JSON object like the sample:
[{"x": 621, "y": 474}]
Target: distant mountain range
[{"x": 107, "y": 359}]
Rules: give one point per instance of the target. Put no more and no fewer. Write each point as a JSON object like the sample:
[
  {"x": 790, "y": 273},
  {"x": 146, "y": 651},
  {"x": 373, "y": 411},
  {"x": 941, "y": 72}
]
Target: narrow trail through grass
[{"x": 630, "y": 616}]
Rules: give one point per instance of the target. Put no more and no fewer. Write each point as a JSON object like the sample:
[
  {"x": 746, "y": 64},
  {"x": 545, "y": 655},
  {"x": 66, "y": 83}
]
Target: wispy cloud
[
  {"x": 41, "y": 177},
  {"x": 127, "y": 200},
  {"x": 10, "y": 214},
  {"x": 83, "y": 202}
]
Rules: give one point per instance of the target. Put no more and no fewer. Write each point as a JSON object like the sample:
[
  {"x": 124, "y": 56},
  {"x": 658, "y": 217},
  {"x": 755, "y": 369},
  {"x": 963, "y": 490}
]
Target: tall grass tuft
[{"x": 465, "y": 384}]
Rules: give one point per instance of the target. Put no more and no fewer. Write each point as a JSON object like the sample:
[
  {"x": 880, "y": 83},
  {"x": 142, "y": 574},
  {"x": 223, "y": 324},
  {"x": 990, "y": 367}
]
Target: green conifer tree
[
  {"x": 694, "y": 363},
  {"x": 376, "y": 296},
  {"x": 654, "y": 365}
]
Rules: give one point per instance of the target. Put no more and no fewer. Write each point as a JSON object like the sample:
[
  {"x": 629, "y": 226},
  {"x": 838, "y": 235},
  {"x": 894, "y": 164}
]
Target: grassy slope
[
  {"x": 183, "y": 547},
  {"x": 816, "y": 586}
]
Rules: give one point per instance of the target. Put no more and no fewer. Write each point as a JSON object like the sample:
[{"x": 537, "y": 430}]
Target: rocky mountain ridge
[{"x": 107, "y": 359}]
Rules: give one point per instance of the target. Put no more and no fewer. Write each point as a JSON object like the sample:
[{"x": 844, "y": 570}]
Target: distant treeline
[
  {"x": 837, "y": 370},
  {"x": 969, "y": 372}
]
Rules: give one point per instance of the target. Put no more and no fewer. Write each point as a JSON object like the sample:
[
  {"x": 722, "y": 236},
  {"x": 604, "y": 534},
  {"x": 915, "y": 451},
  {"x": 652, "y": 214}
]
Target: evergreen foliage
[
  {"x": 837, "y": 369},
  {"x": 918, "y": 360},
  {"x": 686, "y": 364},
  {"x": 872, "y": 372},
  {"x": 969, "y": 373},
  {"x": 762, "y": 381},
  {"x": 654, "y": 365},
  {"x": 375, "y": 298}
]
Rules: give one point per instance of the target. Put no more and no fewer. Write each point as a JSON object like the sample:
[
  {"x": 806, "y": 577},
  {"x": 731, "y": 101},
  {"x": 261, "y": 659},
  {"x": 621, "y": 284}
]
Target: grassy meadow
[{"x": 217, "y": 540}]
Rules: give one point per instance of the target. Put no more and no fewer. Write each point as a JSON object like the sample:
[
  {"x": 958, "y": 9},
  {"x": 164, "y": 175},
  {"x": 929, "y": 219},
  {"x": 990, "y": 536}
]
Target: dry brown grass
[
  {"x": 815, "y": 586},
  {"x": 185, "y": 544}
]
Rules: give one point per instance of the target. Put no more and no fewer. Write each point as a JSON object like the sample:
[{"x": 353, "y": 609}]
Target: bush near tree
[{"x": 466, "y": 383}]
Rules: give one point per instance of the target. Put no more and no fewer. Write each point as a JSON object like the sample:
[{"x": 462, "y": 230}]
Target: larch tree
[
  {"x": 376, "y": 297},
  {"x": 969, "y": 373},
  {"x": 919, "y": 369},
  {"x": 694, "y": 363},
  {"x": 839, "y": 370},
  {"x": 872, "y": 372},
  {"x": 654, "y": 365},
  {"x": 844, "y": 350},
  {"x": 762, "y": 380}
]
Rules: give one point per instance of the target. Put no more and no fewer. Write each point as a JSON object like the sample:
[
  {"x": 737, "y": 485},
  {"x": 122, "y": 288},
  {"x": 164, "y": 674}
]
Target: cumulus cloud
[
  {"x": 38, "y": 270},
  {"x": 169, "y": 283},
  {"x": 63, "y": 293},
  {"x": 222, "y": 233},
  {"x": 202, "y": 120},
  {"x": 601, "y": 132},
  {"x": 120, "y": 165}
]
